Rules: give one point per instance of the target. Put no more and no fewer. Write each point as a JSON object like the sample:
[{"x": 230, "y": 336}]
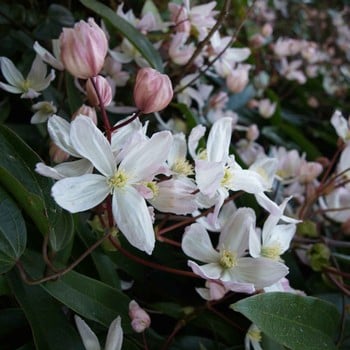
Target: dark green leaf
[
  {"x": 45, "y": 316},
  {"x": 13, "y": 232},
  {"x": 31, "y": 190},
  {"x": 295, "y": 321},
  {"x": 140, "y": 42}
]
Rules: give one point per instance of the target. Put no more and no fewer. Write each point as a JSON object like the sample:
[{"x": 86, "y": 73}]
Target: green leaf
[
  {"x": 295, "y": 321},
  {"x": 191, "y": 119},
  {"x": 31, "y": 190},
  {"x": 140, "y": 42},
  {"x": 49, "y": 325},
  {"x": 90, "y": 298},
  {"x": 13, "y": 232}
]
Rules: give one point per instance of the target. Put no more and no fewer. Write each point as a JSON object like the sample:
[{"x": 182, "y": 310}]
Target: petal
[
  {"x": 77, "y": 194},
  {"x": 254, "y": 242},
  {"x": 91, "y": 144},
  {"x": 219, "y": 140},
  {"x": 209, "y": 176},
  {"x": 240, "y": 287},
  {"x": 143, "y": 161},
  {"x": 208, "y": 271},
  {"x": 282, "y": 234},
  {"x": 247, "y": 180},
  {"x": 114, "y": 339},
  {"x": 39, "y": 85},
  {"x": 59, "y": 129},
  {"x": 196, "y": 243},
  {"x": 47, "y": 57},
  {"x": 11, "y": 73},
  {"x": 196, "y": 134},
  {"x": 37, "y": 71},
  {"x": 10, "y": 88},
  {"x": 133, "y": 218},
  {"x": 88, "y": 337},
  {"x": 261, "y": 272},
  {"x": 178, "y": 149},
  {"x": 235, "y": 232}
]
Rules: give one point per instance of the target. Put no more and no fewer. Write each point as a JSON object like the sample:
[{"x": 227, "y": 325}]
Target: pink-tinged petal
[
  {"x": 208, "y": 271},
  {"x": 222, "y": 194},
  {"x": 133, "y": 218},
  {"x": 88, "y": 337},
  {"x": 235, "y": 232},
  {"x": 114, "y": 339},
  {"x": 144, "y": 160},
  {"x": 219, "y": 140},
  {"x": 209, "y": 176},
  {"x": 91, "y": 144},
  {"x": 11, "y": 73},
  {"x": 196, "y": 134},
  {"x": 59, "y": 130},
  {"x": 240, "y": 287},
  {"x": 261, "y": 272},
  {"x": 196, "y": 243},
  {"x": 77, "y": 194}
]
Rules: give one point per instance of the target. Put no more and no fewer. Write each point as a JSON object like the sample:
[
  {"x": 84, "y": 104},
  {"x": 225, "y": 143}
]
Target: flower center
[
  {"x": 227, "y": 259},
  {"x": 254, "y": 334},
  {"x": 182, "y": 166},
  {"x": 227, "y": 178},
  {"x": 153, "y": 187},
  {"x": 118, "y": 180},
  {"x": 25, "y": 85},
  {"x": 272, "y": 252}
]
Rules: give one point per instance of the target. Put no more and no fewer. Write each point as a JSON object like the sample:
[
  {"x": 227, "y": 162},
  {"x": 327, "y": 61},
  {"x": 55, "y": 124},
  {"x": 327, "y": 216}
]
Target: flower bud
[
  {"x": 57, "y": 155},
  {"x": 88, "y": 111},
  {"x": 103, "y": 88},
  {"x": 152, "y": 91},
  {"x": 83, "y": 49},
  {"x": 252, "y": 132},
  {"x": 140, "y": 319},
  {"x": 238, "y": 79},
  {"x": 266, "y": 108}
]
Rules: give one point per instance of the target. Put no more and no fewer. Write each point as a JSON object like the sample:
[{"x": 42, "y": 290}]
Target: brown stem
[
  {"x": 228, "y": 320},
  {"x": 128, "y": 121},
  {"x": 62, "y": 272}
]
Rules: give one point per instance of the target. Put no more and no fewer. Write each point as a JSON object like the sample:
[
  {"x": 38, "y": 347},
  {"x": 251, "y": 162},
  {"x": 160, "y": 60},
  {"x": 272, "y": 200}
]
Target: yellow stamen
[
  {"x": 272, "y": 252},
  {"x": 227, "y": 178},
  {"x": 118, "y": 180},
  {"x": 182, "y": 166},
  {"x": 228, "y": 259}
]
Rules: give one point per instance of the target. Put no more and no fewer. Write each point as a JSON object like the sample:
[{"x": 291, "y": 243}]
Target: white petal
[
  {"x": 282, "y": 234},
  {"x": 247, "y": 180},
  {"x": 77, "y": 194},
  {"x": 196, "y": 243},
  {"x": 38, "y": 70},
  {"x": 219, "y": 140},
  {"x": 208, "y": 271},
  {"x": 143, "y": 161},
  {"x": 133, "y": 218},
  {"x": 11, "y": 73},
  {"x": 254, "y": 242},
  {"x": 47, "y": 57},
  {"x": 209, "y": 176},
  {"x": 178, "y": 149},
  {"x": 88, "y": 337},
  {"x": 235, "y": 232},
  {"x": 10, "y": 88},
  {"x": 196, "y": 134},
  {"x": 40, "y": 85},
  {"x": 115, "y": 335},
  {"x": 91, "y": 144},
  {"x": 59, "y": 129}
]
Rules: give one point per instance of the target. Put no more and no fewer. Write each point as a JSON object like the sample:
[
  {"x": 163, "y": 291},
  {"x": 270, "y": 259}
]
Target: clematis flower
[
  {"x": 43, "y": 111},
  {"x": 229, "y": 263},
  {"x": 140, "y": 164},
  {"x": 253, "y": 338},
  {"x": 36, "y": 79},
  {"x": 341, "y": 125},
  {"x": 114, "y": 336}
]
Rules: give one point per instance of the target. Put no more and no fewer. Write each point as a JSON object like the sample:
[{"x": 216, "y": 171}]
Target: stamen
[{"x": 228, "y": 259}]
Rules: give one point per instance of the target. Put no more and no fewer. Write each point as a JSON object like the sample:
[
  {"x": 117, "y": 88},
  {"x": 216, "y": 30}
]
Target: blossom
[
  {"x": 228, "y": 262},
  {"x": 341, "y": 125},
  {"x": 83, "y": 49},
  {"x": 104, "y": 90},
  {"x": 140, "y": 164},
  {"x": 140, "y": 319},
  {"x": 114, "y": 338},
  {"x": 36, "y": 79},
  {"x": 253, "y": 338},
  {"x": 43, "y": 111}
]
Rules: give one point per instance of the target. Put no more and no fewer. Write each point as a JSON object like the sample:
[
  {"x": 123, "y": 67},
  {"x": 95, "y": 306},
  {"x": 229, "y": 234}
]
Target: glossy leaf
[
  {"x": 140, "y": 42},
  {"x": 295, "y": 321},
  {"x": 13, "y": 232},
  {"x": 46, "y": 318},
  {"x": 31, "y": 190}
]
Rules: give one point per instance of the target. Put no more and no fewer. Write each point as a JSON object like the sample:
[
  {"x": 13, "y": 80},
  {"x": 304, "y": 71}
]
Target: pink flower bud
[
  {"x": 152, "y": 91},
  {"x": 83, "y": 49},
  {"x": 56, "y": 154},
  {"x": 140, "y": 319},
  {"x": 88, "y": 111},
  {"x": 104, "y": 89}
]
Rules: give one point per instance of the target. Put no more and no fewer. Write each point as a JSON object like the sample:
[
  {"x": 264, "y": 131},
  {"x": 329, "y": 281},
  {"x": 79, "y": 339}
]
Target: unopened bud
[
  {"x": 140, "y": 319},
  {"x": 252, "y": 132},
  {"x": 309, "y": 171},
  {"x": 266, "y": 108},
  {"x": 57, "y": 155},
  {"x": 88, "y": 111},
  {"x": 319, "y": 256},
  {"x": 83, "y": 49},
  {"x": 267, "y": 30},
  {"x": 103, "y": 88},
  {"x": 152, "y": 91},
  {"x": 237, "y": 80}
]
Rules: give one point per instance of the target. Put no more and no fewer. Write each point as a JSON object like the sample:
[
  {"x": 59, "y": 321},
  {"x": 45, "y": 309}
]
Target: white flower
[
  {"x": 114, "y": 337},
  {"x": 341, "y": 125},
  {"x": 140, "y": 164},
  {"x": 228, "y": 262},
  {"x": 29, "y": 87},
  {"x": 43, "y": 111},
  {"x": 46, "y": 56},
  {"x": 253, "y": 338}
]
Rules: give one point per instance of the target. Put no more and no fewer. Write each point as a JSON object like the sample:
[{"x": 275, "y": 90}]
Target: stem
[
  {"x": 176, "y": 330},
  {"x": 106, "y": 124},
  {"x": 60, "y": 273},
  {"x": 144, "y": 341},
  {"x": 216, "y": 312},
  {"x": 128, "y": 121},
  {"x": 149, "y": 263}
]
